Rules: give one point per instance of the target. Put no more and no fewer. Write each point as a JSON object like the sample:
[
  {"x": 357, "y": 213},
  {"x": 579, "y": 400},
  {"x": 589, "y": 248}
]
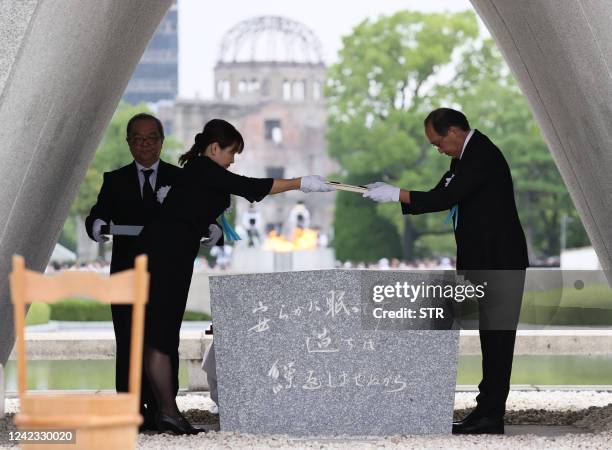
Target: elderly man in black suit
[
  {"x": 131, "y": 196},
  {"x": 491, "y": 247}
]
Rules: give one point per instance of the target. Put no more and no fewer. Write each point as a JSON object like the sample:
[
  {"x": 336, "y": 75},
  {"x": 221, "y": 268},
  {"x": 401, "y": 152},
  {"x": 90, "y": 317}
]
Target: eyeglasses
[
  {"x": 437, "y": 145},
  {"x": 137, "y": 140}
]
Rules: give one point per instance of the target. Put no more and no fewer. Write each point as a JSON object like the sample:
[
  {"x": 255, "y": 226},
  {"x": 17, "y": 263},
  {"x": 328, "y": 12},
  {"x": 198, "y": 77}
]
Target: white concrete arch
[
  {"x": 63, "y": 68},
  {"x": 560, "y": 52}
]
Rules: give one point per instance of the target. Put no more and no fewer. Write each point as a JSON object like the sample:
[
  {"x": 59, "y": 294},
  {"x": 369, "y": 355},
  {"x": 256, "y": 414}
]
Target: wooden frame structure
[{"x": 100, "y": 420}]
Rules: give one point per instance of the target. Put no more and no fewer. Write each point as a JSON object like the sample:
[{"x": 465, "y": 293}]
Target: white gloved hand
[
  {"x": 382, "y": 192},
  {"x": 95, "y": 231},
  {"x": 214, "y": 234},
  {"x": 314, "y": 183},
  {"x": 376, "y": 184}
]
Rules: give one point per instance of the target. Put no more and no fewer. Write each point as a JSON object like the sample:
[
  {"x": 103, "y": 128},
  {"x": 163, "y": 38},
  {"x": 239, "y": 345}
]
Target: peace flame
[{"x": 302, "y": 239}]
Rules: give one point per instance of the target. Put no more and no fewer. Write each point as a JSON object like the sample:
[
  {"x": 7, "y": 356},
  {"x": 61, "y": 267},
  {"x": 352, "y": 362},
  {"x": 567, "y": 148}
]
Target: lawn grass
[{"x": 591, "y": 305}]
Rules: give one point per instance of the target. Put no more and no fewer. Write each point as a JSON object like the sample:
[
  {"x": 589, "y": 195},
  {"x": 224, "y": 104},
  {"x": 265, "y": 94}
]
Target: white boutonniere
[
  {"x": 162, "y": 192},
  {"x": 448, "y": 180}
]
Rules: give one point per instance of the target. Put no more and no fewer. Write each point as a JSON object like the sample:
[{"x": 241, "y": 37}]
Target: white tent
[{"x": 62, "y": 254}]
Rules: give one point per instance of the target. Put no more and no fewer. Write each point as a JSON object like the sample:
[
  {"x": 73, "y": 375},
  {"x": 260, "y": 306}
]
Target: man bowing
[
  {"x": 132, "y": 195},
  {"x": 477, "y": 191}
]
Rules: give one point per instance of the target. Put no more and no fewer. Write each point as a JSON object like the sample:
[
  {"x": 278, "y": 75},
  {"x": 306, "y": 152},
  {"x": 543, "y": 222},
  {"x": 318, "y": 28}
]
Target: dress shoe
[
  {"x": 474, "y": 414},
  {"x": 476, "y": 424},
  {"x": 148, "y": 424},
  {"x": 176, "y": 424}
]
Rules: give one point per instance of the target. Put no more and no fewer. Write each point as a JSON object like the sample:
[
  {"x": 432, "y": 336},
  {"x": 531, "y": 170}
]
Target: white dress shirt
[
  {"x": 97, "y": 225},
  {"x": 467, "y": 139}
]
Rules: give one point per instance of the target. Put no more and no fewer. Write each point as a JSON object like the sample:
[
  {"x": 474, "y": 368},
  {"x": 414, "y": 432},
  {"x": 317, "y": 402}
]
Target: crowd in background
[{"x": 221, "y": 262}]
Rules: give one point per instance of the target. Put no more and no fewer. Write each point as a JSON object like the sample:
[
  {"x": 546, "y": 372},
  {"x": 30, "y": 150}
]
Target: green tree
[
  {"x": 379, "y": 91},
  {"x": 68, "y": 236},
  {"x": 361, "y": 234}
]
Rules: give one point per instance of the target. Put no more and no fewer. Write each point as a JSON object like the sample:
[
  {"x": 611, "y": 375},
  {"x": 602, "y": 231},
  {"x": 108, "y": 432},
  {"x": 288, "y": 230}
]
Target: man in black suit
[
  {"x": 131, "y": 196},
  {"x": 491, "y": 247}
]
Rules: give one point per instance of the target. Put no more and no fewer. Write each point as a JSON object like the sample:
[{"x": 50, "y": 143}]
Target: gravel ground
[{"x": 589, "y": 410}]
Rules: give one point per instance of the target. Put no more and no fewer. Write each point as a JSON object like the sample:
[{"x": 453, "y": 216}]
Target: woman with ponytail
[{"x": 189, "y": 213}]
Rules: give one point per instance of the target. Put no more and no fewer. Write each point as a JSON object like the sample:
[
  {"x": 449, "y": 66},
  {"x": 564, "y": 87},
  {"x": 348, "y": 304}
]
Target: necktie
[{"x": 147, "y": 190}]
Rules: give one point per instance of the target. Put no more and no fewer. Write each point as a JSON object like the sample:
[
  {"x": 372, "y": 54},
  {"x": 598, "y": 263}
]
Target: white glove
[
  {"x": 314, "y": 183},
  {"x": 214, "y": 234},
  {"x": 382, "y": 192},
  {"x": 95, "y": 231},
  {"x": 373, "y": 185}
]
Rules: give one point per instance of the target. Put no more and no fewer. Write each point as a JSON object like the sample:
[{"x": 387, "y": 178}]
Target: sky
[{"x": 202, "y": 24}]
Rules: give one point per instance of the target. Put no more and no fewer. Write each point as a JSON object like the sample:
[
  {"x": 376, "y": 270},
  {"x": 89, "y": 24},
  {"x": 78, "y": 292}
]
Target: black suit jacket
[
  {"x": 203, "y": 193},
  {"x": 488, "y": 233},
  {"x": 120, "y": 201}
]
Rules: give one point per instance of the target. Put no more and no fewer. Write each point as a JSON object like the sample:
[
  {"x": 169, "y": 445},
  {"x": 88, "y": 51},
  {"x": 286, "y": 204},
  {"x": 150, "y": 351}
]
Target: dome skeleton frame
[{"x": 260, "y": 37}]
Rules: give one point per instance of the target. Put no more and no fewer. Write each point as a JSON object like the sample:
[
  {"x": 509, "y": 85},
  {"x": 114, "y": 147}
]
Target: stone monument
[{"x": 298, "y": 354}]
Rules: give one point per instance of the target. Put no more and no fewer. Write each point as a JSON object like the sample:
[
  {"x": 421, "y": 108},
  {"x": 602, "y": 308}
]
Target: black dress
[{"x": 172, "y": 241}]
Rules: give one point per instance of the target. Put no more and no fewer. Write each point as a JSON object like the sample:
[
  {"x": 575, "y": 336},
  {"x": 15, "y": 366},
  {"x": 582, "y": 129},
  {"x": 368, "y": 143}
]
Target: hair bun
[{"x": 199, "y": 138}]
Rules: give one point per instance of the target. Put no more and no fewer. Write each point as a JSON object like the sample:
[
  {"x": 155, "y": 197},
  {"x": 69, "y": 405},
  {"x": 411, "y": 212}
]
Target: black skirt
[{"x": 172, "y": 247}]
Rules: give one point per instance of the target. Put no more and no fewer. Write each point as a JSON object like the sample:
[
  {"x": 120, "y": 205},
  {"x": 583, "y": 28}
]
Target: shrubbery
[{"x": 83, "y": 310}]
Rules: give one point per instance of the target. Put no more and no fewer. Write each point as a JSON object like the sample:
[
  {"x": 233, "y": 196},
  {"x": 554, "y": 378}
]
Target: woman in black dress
[{"x": 190, "y": 208}]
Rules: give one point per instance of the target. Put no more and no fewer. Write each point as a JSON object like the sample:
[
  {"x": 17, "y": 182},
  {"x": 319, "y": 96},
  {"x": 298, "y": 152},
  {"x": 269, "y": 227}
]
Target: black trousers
[
  {"x": 498, "y": 318},
  {"x": 122, "y": 323},
  {"x": 497, "y": 348}
]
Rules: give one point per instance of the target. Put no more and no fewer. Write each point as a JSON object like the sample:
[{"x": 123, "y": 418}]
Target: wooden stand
[{"x": 100, "y": 421}]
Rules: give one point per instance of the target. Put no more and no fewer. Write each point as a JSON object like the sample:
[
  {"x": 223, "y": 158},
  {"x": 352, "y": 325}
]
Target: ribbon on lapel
[
  {"x": 230, "y": 233},
  {"x": 453, "y": 215}
]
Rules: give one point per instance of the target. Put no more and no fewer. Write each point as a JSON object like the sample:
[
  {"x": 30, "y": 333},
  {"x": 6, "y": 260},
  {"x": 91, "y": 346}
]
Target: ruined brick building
[{"x": 269, "y": 80}]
